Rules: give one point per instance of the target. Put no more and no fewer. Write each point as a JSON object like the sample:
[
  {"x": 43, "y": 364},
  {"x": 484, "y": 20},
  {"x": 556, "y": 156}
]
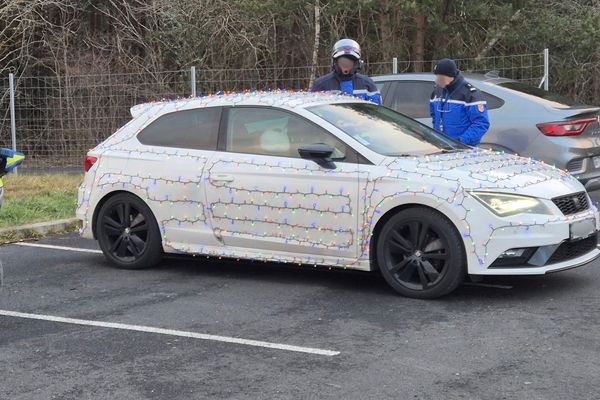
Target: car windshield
[
  {"x": 385, "y": 131},
  {"x": 556, "y": 100}
]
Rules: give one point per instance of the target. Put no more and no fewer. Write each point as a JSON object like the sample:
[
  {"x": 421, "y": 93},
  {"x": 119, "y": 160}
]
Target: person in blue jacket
[
  {"x": 347, "y": 62},
  {"x": 9, "y": 160},
  {"x": 457, "y": 108}
]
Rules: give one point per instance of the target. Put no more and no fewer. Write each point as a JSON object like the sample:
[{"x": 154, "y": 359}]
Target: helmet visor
[{"x": 345, "y": 65}]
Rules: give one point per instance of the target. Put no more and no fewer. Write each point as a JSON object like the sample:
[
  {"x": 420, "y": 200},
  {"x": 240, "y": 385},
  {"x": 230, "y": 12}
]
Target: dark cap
[{"x": 446, "y": 67}]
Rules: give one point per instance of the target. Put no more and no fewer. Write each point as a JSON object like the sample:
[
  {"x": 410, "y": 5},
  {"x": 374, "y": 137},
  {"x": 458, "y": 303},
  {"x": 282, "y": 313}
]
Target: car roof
[
  {"x": 429, "y": 76},
  {"x": 278, "y": 98}
]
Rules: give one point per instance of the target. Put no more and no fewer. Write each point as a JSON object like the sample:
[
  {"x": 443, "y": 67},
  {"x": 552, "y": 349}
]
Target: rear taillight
[
  {"x": 89, "y": 161},
  {"x": 566, "y": 128}
]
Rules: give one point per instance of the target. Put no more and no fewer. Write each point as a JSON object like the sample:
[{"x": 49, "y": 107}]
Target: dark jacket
[{"x": 357, "y": 85}]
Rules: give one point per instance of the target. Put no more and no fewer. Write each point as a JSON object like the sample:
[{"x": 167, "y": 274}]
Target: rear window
[
  {"x": 191, "y": 129},
  {"x": 556, "y": 100}
]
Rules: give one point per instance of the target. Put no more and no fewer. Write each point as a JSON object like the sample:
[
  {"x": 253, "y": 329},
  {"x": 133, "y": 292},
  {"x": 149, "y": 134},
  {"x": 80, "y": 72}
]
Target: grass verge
[{"x": 40, "y": 198}]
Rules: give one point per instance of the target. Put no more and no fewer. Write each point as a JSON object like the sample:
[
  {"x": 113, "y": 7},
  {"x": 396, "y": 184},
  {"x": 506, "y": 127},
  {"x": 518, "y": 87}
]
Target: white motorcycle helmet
[{"x": 350, "y": 49}]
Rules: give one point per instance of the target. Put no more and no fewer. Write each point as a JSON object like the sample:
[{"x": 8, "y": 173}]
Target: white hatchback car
[{"x": 324, "y": 179}]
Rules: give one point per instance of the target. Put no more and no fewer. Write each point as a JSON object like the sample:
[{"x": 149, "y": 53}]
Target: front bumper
[
  {"x": 551, "y": 248},
  {"x": 561, "y": 266}
]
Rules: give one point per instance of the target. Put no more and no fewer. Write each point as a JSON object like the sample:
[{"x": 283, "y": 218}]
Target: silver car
[{"x": 524, "y": 120}]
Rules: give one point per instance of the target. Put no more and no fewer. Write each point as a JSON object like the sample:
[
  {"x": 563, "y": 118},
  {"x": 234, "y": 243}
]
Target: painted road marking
[
  {"x": 171, "y": 332},
  {"x": 51, "y": 247}
]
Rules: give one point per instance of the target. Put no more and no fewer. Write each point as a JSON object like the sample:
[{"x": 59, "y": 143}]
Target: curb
[{"x": 40, "y": 229}]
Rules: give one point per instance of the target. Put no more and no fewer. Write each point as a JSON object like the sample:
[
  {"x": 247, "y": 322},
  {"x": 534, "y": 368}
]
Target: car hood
[{"x": 492, "y": 171}]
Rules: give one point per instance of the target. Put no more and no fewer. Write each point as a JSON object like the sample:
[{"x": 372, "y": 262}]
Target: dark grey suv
[{"x": 524, "y": 120}]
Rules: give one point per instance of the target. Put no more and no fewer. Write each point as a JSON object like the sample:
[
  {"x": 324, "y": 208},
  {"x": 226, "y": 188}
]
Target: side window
[
  {"x": 384, "y": 87},
  {"x": 266, "y": 131},
  {"x": 190, "y": 129},
  {"x": 493, "y": 102},
  {"x": 411, "y": 98}
]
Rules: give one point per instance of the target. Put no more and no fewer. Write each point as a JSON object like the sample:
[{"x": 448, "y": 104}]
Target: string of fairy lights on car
[{"x": 294, "y": 214}]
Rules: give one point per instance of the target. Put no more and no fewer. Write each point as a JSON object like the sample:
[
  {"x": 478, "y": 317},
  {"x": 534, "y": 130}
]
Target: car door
[{"x": 263, "y": 197}]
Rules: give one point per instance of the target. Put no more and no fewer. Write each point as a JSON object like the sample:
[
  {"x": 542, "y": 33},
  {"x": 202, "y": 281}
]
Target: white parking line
[
  {"x": 171, "y": 332},
  {"x": 49, "y": 246}
]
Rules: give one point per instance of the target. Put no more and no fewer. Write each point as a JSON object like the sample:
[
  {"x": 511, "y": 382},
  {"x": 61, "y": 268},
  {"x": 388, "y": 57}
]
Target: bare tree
[{"x": 315, "y": 56}]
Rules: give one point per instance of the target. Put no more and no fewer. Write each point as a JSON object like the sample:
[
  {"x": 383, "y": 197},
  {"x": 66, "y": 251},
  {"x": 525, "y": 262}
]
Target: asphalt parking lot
[{"x": 283, "y": 332}]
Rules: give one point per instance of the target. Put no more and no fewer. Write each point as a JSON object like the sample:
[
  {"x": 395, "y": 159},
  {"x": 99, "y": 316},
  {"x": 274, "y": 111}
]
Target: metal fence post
[
  {"x": 546, "y": 69},
  {"x": 13, "y": 124},
  {"x": 395, "y": 65},
  {"x": 193, "y": 80}
]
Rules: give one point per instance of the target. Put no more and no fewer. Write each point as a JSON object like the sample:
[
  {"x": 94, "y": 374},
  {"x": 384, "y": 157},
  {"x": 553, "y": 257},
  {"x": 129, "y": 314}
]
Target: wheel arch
[
  {"x": 107, "y": 197},
  {"x": 392, "y": 210}
]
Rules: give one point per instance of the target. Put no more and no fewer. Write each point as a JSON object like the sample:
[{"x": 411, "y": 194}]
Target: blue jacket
[
  {"x": 459, "y": 111},
  {"x": 9, "y": 160},
  {"x": 357, "y": 85}
]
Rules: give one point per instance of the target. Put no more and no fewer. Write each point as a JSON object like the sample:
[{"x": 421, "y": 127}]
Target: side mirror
[{"x": 319, "y": 153}]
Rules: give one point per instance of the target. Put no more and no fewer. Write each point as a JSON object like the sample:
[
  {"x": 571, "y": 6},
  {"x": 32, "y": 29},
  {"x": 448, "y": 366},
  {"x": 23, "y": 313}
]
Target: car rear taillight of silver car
[{"x": 566, "y": 128}]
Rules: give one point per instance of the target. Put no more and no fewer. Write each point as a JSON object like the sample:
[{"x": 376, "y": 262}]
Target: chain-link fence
[
  {"x": 59, "y": 118},
  {"x": 527, "y": 68}
]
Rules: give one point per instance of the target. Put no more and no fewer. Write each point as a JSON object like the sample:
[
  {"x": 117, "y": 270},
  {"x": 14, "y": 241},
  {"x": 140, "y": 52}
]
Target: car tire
[
  {"x": 420, "y": 253},
  {"x": 128, "y": 234}
]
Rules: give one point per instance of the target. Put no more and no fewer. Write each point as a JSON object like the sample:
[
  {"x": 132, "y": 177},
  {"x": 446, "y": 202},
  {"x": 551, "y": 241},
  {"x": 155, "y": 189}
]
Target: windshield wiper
[{"x": 447, "y": 151}]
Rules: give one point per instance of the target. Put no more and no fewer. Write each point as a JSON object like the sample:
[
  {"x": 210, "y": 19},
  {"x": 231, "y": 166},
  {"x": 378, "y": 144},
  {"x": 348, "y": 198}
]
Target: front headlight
[{"x": 505, "y": 205}]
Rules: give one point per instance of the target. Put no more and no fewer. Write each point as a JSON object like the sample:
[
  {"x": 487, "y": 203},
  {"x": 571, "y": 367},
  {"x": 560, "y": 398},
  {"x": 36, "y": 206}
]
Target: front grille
[
  {"x": 570, "y": 250},
  {"x": 572, "y": 204},
  {"x": 575, "y": 165}
]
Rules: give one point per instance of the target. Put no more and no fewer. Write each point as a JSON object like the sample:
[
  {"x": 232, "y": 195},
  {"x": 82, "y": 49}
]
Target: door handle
[{"x": 222, "y": 178}]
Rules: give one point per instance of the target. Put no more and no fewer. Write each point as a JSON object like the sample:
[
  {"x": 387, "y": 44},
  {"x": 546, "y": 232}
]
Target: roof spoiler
[
  {"x": 492, "y": 74},
  {"x": 140, "y": 109}
]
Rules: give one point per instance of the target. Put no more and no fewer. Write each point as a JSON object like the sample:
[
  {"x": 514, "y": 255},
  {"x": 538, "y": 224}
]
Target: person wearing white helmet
[{"x": 345, "y": 77}]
